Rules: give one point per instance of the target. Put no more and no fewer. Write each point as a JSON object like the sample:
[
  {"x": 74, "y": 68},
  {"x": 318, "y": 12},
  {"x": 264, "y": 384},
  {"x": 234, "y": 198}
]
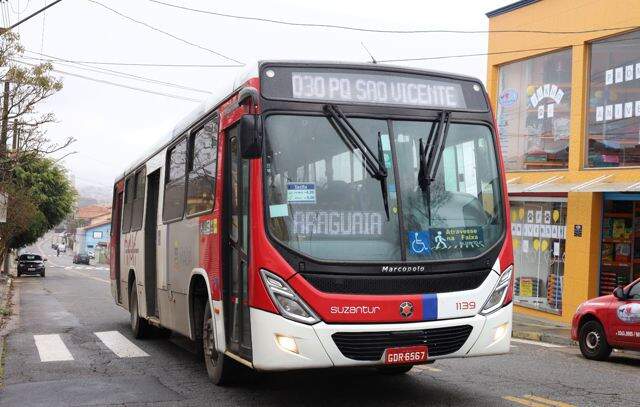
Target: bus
[{"x": 321, "y": 215}]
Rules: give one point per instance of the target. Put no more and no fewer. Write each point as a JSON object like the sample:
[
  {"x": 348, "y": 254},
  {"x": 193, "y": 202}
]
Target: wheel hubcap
[
  {"x": 209, "y": 342},
  {"x": 592, "y": 340}
]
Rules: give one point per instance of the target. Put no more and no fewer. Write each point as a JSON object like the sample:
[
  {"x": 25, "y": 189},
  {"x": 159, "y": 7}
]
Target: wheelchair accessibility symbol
[{"x": 419, "y": 243}]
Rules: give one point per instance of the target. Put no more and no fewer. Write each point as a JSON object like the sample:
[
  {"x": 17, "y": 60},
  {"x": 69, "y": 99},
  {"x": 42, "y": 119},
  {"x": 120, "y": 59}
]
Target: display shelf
[
  {"x": 616, "y": 264},
  {"x": 618, "y": 215}
]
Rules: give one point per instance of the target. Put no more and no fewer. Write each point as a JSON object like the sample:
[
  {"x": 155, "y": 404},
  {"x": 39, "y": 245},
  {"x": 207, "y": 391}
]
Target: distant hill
[{"x": 93, "y": 194}]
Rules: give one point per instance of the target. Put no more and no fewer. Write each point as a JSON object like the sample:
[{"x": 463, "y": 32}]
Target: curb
[
  {"x": 543, "y": 337},
  {"x": 7, "y": 290}
]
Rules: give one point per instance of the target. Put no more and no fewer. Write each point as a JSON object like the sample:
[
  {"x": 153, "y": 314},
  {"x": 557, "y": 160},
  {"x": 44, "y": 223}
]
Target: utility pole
[{"x": 3, "y": 155}]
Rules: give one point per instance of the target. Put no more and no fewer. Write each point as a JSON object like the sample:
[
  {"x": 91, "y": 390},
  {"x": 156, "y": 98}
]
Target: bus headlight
[
  {"x": 286, "y": 300},
  {"x": 497, "y": 297}
]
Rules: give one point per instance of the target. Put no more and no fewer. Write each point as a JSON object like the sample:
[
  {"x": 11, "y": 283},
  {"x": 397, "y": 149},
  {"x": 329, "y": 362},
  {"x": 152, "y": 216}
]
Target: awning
[{"x": 560, "y": 184}]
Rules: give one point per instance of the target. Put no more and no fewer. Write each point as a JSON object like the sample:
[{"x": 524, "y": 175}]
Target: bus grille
[
  {"x": 382, "y": 285},
  {"x": 371, "y": 345}
]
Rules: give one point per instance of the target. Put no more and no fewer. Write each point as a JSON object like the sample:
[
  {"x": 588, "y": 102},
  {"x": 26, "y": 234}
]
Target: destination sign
[
  {"x": 385, "y": 89},
  {"x": 356, "y": 86}
]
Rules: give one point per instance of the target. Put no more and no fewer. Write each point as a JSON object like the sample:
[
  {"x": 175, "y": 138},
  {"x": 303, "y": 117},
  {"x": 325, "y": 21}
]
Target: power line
[
  {"x": 165, "y": 32},
  {"x": 481, "y": 54},
  {"x": 118, "y": 84},
  {"x": 106, "y": 71},
  {"x": 373, "y": 30},
  {"x": 18, "y": 12},
  {"x": 139, "y": 63}
]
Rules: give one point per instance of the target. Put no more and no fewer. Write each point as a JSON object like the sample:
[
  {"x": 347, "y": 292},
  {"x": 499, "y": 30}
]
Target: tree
[
  {"x": 26, "y": 86},
  {"x": 40, "y": 197}
]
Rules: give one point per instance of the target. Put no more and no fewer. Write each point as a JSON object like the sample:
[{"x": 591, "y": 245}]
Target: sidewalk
[{"x": 535, "y": 329}]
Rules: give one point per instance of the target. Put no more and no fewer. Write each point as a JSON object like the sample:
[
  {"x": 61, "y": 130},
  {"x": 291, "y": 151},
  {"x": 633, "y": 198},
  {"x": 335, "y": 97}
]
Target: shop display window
[
  {"x": 614, "y": 102},
  {"x": 534, "y": 111},
  {"x": 539, "y": 233},
  {"x": 620, "y": 248}
]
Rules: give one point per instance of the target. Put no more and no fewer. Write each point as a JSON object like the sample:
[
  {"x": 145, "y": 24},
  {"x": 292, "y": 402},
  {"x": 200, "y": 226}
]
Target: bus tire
[
  {"x": 394, "y": 370},
  {"x": 139, "y": 325},
  {"x": 593, "y": 341},
  {"x": 220, "y": 368}
]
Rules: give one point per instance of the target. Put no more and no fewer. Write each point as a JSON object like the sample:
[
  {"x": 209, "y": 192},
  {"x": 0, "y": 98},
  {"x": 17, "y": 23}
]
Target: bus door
[
  {"x": 150, "y": 243},
  {"x": 116, "y": 227},
  {"x": 236, "y": 248}
]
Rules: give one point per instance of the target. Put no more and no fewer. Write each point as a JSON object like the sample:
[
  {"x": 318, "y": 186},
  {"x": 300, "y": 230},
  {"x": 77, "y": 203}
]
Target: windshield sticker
[
  {"x": 337, "y": 223},
  {"x": 457, "y": 238},
  {"x": 301, "y": 192},
  {"x": 279, "y": 211},
  {"x": 419, "y": 243},
  {"x": 629, "y": 313}
]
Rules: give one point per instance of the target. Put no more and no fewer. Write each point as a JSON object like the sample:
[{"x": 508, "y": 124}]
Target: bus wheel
[
  {"x": 219, "y": 367},
  {"x": 139, "y": 325},
  {"x": 393, "y": 370}
]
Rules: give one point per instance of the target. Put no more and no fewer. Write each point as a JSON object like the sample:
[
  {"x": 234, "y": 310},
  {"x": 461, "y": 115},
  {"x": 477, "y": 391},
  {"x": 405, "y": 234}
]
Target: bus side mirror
[
  {"x": 250, "y": 131},
  {"x": 619, "y": 293}
]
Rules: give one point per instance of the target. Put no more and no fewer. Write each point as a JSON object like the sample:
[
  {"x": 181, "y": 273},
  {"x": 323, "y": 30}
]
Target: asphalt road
[{"x": 56, "y": 320}]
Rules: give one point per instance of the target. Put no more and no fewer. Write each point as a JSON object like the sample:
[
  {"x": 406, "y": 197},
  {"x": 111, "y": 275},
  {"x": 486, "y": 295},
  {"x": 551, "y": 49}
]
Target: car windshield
[
  {"x": 30, "y": 257},
  {"x": 323, "y": 203}
]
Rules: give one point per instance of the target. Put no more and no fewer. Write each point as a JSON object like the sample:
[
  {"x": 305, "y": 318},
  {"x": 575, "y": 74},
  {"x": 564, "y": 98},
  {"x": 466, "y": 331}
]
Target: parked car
[
  {"x": 62, "y": 248},
  {"x": 91, "y": 254},
  {"x": 31, "y": 264},
  {"x": 607, "y": 322},
  {"x": 54, "y": 246},
  {"x": 81, "y": 258}
]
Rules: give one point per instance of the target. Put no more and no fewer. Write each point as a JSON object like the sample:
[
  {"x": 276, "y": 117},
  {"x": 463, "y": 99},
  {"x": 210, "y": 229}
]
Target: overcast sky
[{"x": 115, "y": 125}]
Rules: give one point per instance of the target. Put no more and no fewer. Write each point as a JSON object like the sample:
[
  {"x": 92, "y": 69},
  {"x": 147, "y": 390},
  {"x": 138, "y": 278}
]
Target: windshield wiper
[
  {"x": 373, "y": 164},
  {"x": 430, "y": 157}
]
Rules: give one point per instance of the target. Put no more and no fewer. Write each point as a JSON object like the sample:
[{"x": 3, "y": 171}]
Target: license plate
[
  {"x": 32, "y": 269},
  {"x": 405, "y": 355}
]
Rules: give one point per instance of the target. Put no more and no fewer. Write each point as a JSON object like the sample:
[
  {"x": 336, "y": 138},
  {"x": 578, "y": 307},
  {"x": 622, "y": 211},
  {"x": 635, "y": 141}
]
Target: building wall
[
  {"x": 582, "y": 264},
  {"x": 91, "y": 241}
]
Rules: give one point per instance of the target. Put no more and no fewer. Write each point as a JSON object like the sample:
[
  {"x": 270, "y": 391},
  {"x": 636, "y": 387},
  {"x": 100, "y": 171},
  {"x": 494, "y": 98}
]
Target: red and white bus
[{"x": 322, "y": 214}]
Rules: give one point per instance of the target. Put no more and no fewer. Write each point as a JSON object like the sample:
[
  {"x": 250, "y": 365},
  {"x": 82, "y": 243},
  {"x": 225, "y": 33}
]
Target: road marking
[
  {"x": 545, "y": 344},
  {"x": 51, "y": 348},
  {"x": 91, "y": 277},
  {"x": 524, "y": 402},
  {"x": 120, "y": 345},
  {"x": 548, "y": 401}
]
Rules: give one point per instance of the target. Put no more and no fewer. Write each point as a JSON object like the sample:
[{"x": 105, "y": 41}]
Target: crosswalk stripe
[
  {"x": 120, "y": 345},
  {"x": 51, "y": 348}
]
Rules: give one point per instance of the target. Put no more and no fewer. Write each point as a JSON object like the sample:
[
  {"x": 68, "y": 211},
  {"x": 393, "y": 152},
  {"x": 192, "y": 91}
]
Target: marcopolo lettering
[{"x": 402, "y": 269}]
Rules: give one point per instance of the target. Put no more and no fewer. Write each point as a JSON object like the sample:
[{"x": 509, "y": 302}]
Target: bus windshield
[{"x": 323, "y": 203}]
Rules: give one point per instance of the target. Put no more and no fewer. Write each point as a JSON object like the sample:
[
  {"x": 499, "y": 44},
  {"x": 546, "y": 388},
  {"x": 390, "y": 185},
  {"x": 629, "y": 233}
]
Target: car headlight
[
  {"x": 496, "y": 299},
  {"x": 289, "y": 304}
]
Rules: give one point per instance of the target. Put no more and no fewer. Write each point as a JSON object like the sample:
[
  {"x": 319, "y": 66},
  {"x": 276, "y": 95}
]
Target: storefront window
[
  {"x": 534, "y": 109},
  {"x": 539, "y": 230},
  {"x": 614, "y": 102}
]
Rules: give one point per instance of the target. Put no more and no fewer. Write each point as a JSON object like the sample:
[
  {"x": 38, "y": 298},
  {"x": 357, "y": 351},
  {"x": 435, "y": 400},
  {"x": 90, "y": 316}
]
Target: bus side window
[
  {"x": 128, "y": 203},
  {"x": 173, "y": 204},
  {"x": 138, "y": 200},
  {"x": 203, "y": 154}
]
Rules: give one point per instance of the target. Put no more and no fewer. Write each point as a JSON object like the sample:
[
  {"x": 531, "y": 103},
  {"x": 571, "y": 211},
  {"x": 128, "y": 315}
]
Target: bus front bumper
[{"x": 282, "y": 344}]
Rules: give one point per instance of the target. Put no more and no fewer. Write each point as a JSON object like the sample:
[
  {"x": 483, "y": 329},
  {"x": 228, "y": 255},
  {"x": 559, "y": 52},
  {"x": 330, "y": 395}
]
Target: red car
[{"x": 611, "y": 321}]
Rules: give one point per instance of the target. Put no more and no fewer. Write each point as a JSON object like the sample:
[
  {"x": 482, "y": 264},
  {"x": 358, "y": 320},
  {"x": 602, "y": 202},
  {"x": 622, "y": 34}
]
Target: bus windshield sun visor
[
  {"x": 430, "y": 157},
  {"x": 374, "y": 164}
]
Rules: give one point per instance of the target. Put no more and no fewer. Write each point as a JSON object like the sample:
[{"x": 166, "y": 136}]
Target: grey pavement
[{"x": 75, "y": 303}]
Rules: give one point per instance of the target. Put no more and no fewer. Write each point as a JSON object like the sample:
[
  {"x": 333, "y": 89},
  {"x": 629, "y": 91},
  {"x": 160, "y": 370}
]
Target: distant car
[
  {"x": 62, "y": 248},
  {"x": 31, "y": 264},
  {"x": 81, "y": 258},
  {"x": 91, "y": 254},
  {"x": 54, "y": 246},
  {"x": 611, "y": 321}
]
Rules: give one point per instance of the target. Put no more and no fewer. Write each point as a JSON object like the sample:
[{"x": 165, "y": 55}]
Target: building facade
[{"x": 564, "y": 78}]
